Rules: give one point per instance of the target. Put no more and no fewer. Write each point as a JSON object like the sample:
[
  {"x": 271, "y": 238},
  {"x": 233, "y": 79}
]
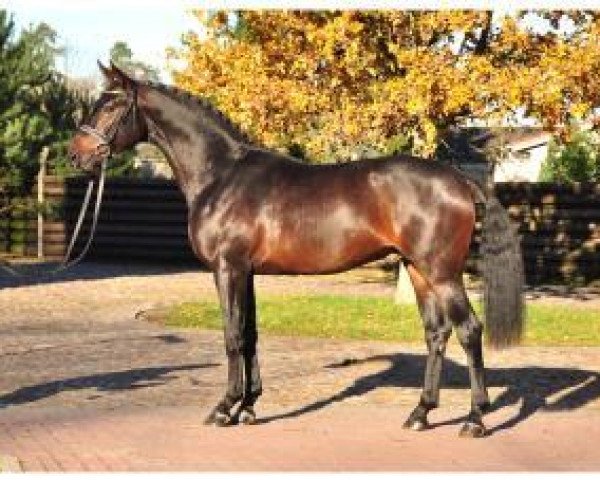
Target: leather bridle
[{"x": 106, "y": 138}]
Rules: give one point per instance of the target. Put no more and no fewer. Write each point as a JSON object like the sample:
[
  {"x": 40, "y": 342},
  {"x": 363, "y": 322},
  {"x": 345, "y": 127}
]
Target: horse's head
[{"x": 114, "y": 124}]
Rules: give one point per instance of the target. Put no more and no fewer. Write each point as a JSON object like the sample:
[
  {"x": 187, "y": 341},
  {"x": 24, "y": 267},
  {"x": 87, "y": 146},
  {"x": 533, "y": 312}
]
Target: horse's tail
[{"x": 503, "y": 273}]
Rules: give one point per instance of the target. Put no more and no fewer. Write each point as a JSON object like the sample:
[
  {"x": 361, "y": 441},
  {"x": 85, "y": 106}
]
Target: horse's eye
[{"x": 113, "y": 105}]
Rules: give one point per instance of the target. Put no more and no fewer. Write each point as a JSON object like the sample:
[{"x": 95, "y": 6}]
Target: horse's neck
[{"x": 196, "y": 149}]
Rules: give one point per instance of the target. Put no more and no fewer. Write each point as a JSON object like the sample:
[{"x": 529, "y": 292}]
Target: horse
[{"x": 253, "y": 211}]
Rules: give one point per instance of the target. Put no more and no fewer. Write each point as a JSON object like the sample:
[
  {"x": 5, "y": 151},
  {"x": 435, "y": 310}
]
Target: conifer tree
[{"x": 37, "y": 109}]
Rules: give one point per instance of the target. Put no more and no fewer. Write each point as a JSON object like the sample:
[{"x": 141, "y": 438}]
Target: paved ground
[{"x": 85, "y": 386}]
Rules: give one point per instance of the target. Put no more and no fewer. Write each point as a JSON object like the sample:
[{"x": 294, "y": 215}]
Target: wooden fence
[
  {"x": 146, "y": 220},
  {"x": 140, "y": 219}
]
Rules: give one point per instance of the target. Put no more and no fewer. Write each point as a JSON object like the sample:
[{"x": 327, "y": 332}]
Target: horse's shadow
[
  {"x": 133, "y": 379},
  {"x": 537, "y": 388},
  {"x": 43, "y": 273}
]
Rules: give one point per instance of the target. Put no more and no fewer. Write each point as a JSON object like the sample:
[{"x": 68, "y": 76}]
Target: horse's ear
[
  {"x": 112, "y": 80},
  {"x": 122, "y": 78},
  {"x": 107, "y": 72}
]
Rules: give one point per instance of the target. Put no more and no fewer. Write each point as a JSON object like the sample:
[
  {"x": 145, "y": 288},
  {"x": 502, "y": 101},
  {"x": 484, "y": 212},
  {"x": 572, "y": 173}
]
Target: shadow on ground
[
  {"x": 535, "y": 388},
  {"x": 111, "y": 381},
  {"x": 41, "y": 273}
]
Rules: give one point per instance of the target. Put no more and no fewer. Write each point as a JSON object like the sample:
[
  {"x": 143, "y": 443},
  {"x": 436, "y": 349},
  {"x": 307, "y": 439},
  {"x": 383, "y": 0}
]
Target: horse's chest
[
  {"x": 217, "y": 232},
  {"x": 202, "y": 231}
]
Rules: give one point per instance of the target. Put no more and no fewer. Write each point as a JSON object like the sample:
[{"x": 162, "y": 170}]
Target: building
[
  {"x": 514, "y": 154},
  {"x": 150, "y": 162}
]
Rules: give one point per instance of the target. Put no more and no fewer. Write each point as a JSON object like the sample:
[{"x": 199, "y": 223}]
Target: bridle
[{"x": 106, "y": 139}]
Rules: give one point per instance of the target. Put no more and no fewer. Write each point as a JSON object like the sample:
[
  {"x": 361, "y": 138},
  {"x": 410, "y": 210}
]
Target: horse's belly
[{"x": 310, "y": 255}]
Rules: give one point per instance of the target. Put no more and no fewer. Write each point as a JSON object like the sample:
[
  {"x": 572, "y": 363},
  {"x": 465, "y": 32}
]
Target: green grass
[{"x": 375, "y": 318}]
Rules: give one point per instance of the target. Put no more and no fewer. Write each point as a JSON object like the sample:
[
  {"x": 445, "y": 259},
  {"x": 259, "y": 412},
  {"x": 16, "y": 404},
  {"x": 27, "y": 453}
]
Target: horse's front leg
[
  {"x": 231, "y": 282},
  {"x": 253, "y": 388}
]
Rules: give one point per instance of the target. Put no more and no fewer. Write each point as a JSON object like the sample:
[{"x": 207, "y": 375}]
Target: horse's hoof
[
  {"x": 210, "y": 419},
  {"x": 473, "y": 430},
  {"x": 247, "y": 416},
  {"x": 416, "y": 424},
  {"x": 485, "y": 406},
  {"x": 220, "y": 419}
]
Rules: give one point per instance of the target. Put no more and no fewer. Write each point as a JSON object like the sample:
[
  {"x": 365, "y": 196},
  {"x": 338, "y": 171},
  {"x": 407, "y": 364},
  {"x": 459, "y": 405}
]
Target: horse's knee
[
  {"x": 234, "y": 344},
  {"x": 437, "y": 335},
  {"x": 437, "y": 329}
]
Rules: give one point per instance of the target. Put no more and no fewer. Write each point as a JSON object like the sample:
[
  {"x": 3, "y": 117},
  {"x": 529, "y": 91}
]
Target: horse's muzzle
[{"x": 90, "y": 163}]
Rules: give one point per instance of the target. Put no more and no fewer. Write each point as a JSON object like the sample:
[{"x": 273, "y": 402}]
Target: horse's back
[{"x": 295, "y": 172}]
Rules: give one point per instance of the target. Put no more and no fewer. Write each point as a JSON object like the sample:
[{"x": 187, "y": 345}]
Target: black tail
[{"x": 503, "y": 275}]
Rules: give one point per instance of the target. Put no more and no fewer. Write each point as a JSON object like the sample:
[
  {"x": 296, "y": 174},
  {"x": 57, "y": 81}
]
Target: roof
[{"x": 476, "y": 144}]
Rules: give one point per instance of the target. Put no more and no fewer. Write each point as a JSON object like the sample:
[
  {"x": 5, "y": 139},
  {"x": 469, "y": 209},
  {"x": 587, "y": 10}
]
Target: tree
[
  {"x": 577, "y": 160},
  {"x": 334, "y": 81},
  {"x": 122, "y": 56},
  {"x": 36, "y": 107}
]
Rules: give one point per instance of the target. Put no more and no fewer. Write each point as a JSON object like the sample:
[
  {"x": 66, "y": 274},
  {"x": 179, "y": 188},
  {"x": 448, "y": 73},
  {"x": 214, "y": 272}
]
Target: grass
[{"x": 375, "y": 318}]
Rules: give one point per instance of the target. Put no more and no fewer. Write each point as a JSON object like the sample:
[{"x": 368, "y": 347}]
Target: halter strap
[{"x": 67, "y": 263}]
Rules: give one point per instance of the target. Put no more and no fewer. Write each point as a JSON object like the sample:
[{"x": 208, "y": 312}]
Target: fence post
[
  {"x": 405, "y": 292},
  {"x": 40, "y": 201}
]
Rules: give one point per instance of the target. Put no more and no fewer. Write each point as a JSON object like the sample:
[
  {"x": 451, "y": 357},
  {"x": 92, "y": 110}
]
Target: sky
[{"x": 89, "y": 29}]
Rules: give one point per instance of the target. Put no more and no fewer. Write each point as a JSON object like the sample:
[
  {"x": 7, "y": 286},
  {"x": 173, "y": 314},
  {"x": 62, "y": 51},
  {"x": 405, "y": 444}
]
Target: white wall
[{"x": 516, "y": 168}]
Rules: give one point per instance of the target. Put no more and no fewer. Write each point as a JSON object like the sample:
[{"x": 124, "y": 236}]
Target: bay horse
[{"x": 255, "y": 211}]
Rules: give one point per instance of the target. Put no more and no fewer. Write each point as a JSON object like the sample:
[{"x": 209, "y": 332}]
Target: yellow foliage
[{"x": 331, "y": 81}]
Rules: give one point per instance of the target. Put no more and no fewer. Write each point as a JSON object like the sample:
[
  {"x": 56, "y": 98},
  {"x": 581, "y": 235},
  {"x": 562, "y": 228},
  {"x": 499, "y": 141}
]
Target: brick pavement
[{"x": 343, "y": 437}]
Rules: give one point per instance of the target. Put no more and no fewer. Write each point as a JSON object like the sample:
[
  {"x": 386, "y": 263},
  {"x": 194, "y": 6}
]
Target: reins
[{"x": 67, "y": 262}]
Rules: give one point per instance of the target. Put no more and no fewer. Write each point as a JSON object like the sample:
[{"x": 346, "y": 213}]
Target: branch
[
  {"x": 484, "y": 38},
  {"x": 434, "y": 39}
]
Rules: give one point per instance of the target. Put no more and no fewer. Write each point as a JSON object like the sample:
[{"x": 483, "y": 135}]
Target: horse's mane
[{"x": 206, "y": 107}]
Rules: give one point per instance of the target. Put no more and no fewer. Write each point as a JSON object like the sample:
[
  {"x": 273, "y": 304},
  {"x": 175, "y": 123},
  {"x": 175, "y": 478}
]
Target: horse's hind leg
[
  {"x": 469, "y": 331},
  {"x": 437, "y": 332}
]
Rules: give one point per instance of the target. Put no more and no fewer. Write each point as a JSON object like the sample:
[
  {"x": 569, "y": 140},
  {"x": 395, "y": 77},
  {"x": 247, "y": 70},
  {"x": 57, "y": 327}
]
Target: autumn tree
[{"x": 331, "y": 82}]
